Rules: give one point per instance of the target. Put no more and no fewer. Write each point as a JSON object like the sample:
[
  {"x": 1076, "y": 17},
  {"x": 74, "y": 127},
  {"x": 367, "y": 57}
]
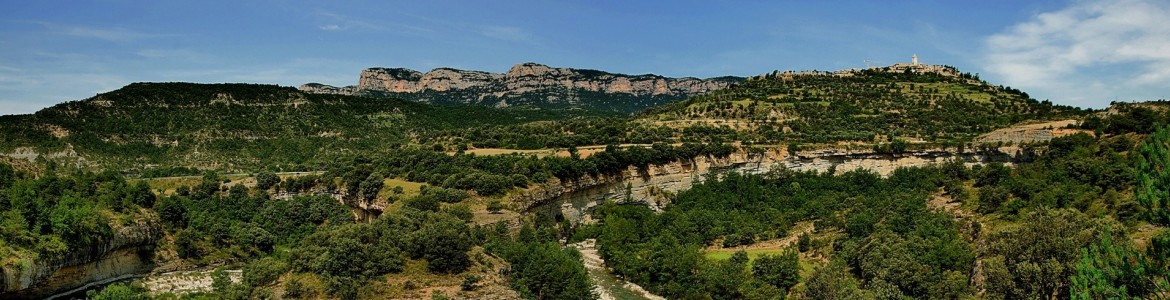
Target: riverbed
[{"x": 605, "y": 284}]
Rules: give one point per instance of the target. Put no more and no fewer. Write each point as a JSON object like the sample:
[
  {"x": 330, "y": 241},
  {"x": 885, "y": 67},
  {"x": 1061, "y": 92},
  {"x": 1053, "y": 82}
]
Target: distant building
[
  {"x": 913, "y": 66},
  {"x": 916, "y": 67}
]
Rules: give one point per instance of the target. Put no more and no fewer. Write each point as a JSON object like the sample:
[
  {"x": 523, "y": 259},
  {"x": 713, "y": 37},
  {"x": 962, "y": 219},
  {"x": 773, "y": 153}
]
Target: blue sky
[{"x": 1081, "y": 53}]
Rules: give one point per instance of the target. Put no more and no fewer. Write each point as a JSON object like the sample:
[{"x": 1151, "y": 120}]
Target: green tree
[
  {"x": 991, "y": 174},
  {"x": 188, "y": 244},
  {"x": 804, "y": 243},
  {"x": 443, "y": 241},
  {"x": 172, "y": 211},
  {"x": 459, "y": 210},
  {"x": 266, "y": 180},
  {"x": 782, "y": 271},
  {"x": 118, "y": 291},
  {"x": 423, "y": 203},
  {"x": 7, "y": 175},
  {"x": 1036, "y": 259},
  {"x": 141, "y": 195},
  {"x": 370, "y": 187},
  {"x": 1153, "y": 177},
  {"x": 470, "y": 282},
  {"x": 833, "y": 281},
  {"x": 992, "y": 197},
  {"x": 294, "y": 288},
  {"x": 1107, "y": 270},
  {"x": 495, "y": 206},
  {"x": 1159, "y": 248},
  {"x": 546, "y": 271}
]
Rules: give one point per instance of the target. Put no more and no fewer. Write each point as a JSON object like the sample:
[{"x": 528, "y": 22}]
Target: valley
[{"x": 925, "y": 182}]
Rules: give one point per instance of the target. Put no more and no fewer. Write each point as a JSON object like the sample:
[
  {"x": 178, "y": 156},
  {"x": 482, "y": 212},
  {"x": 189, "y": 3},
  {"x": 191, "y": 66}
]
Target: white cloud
[
  {"x": 173, "y": 55},
  {"x": 106, "y": 34},
  {"x": 1089, "y": 53},
  {"x": 339, "y": 22},
  {"x": 506, "y": 33}
]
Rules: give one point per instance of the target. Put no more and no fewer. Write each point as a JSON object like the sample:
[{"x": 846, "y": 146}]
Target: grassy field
[
  {"x": 723, "y": 254},
  {"x": 806, "y": 266},
  {"x": 409, "y": 188},
  {"x": 169, "y": 184}
]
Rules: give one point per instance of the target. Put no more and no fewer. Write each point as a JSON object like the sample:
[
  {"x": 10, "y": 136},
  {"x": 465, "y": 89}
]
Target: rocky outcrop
[
  {"x": 128, "y": 252},
  {"x": 318, "y": 88},
  {"x": 185, "y": 282},
  {"x": 528, "y": 83},
  {"x": 574, "y": 200},
  {"x": 1031, "y": 133}
]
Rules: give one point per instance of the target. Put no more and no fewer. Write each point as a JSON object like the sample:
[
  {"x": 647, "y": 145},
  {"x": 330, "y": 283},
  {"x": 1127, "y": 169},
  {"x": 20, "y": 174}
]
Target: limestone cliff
[
  {"x": 528, "y": 84},
  {"x": 574, "y": 199},
  {"x": 128, "y": 252}
]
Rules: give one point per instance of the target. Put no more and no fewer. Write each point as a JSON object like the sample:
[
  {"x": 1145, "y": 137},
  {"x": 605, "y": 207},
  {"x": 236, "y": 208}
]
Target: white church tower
[{"x": 914, "y": 59}]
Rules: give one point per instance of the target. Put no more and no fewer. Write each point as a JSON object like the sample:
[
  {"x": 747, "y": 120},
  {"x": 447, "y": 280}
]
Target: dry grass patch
[{"x": 409, "y": 188}]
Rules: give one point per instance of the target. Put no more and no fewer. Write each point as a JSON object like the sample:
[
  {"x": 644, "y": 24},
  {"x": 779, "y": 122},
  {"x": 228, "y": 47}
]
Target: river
[{"x": 605, "y": 284}]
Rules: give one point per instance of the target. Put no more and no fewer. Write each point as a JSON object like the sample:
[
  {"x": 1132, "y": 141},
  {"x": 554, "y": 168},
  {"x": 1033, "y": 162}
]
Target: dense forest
[
  {"x": 1071, "y": 224},
  {"x": 312, "y": 242},
  {"x": 213, "y": 223},
  {"x": 239, "y": 126}
]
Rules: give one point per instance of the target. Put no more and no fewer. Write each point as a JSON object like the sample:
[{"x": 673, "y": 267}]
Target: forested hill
[
  {"x": 230, "y": 126},
  {"x": 239, "y": 127},
  {"x": 933, "y": 103}
]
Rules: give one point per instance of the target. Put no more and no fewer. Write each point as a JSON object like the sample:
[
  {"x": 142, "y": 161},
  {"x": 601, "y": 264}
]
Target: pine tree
[
  {"x": 1153, "y": 178},
  {"x": 1115, "y": 271}
]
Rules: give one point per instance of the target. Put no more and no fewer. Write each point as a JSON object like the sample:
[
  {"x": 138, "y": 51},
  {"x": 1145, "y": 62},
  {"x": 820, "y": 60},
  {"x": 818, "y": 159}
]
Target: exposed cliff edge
[
  {"x": 528, "y": 84},
  {"x": 574, "y": 200},
  {"x": 128, "y": 252}
]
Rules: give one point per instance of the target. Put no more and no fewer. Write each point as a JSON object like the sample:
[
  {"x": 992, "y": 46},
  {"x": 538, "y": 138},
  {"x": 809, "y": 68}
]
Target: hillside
[
  {"x": 370, "y": 150},
  {"x": 234, "y": 126},
  {"x": 690, "y": 199},
  {"x": 528, "y": 85},
  {"x": 932, "y": 104}
]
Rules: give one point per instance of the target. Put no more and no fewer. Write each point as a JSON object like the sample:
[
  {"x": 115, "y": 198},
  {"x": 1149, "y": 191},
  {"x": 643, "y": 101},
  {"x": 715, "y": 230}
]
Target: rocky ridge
[
  {"x": 573, "y": 200},
  {"x": 126, "y": 253},
  {"x": 526, "y": 84}
]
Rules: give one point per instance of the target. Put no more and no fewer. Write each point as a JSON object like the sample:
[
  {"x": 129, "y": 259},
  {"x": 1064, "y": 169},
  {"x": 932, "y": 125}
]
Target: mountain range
[{"x": 529, "y": 85}]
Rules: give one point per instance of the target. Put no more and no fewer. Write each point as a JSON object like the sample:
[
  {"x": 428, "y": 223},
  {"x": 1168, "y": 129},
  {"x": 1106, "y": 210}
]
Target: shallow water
[{"x": 608, "y": 286}]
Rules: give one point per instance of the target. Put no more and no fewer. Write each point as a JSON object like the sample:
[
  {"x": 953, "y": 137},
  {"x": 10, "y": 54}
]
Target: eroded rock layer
[{"x": 528, "y": 84}]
